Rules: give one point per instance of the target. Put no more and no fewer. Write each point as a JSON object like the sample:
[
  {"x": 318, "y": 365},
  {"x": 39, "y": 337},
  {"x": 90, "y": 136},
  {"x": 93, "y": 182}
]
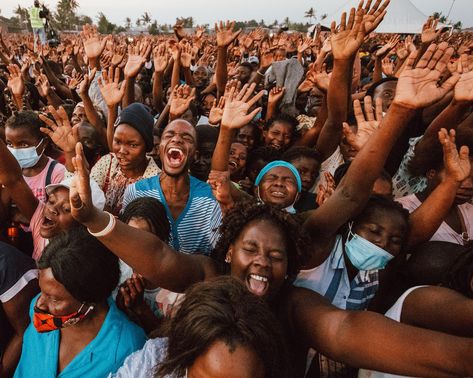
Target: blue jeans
[{"x": 42, "y": 36}]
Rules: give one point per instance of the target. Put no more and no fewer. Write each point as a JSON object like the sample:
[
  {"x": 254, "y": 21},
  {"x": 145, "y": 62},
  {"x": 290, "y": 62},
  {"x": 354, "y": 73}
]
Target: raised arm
[
  {"x": 137, "y": 56},
  {"x": 225, "y": 36},
  {"x": 417, "y": 88},
  {"x": 112, "y": 93},
  {"x": 345, "y": 44},
  {"x": 143, "y": 251},
  {"x": 387, "y": 345},
  {"x": 160, "y": 60}
]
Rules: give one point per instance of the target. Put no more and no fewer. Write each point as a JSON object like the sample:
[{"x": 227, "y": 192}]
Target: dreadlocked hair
[
  {"x": 242, "y": 215},
  {"x": 460, "y": 274}
]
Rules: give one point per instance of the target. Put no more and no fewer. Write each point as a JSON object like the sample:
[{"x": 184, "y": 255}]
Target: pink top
[
  {"x": 38, "y": 182},
  {"x": 39, "y": 243}
]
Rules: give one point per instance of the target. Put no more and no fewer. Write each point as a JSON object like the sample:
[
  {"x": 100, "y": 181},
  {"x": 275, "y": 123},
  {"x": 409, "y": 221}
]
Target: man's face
[{"x": 177, "y": 147}]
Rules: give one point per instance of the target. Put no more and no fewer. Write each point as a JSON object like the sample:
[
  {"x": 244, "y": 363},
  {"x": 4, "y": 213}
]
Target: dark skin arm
[
  {"x": 428, "y": 217},
  {"x": 225, "y": 36},
  {"x": 413, "y": 92},
  {"x": 17, "y": 313},
  {"x": 345, "y": 45},
  {"x": 403, "y": 350},
  {"x": 439, "y": 309},
  {"x": 143, "y": 251}
]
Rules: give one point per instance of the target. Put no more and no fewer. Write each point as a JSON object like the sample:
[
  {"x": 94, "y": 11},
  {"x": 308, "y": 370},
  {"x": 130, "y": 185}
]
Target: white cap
[{"x": 98, "y": 198}]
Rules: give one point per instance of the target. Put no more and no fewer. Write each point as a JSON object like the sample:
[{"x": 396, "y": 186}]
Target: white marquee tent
[{"x": 402, "y": 17}]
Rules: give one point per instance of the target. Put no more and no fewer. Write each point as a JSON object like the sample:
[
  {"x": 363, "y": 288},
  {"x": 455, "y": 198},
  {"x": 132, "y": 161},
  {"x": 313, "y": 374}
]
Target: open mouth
[
  {"x": 257, "y": 284},
  {"x": 232, "y": 164},
  {"x": 47, "y": 223},
  {"x": 276, "y": 146},
  {"x": 175, "y": 157}
]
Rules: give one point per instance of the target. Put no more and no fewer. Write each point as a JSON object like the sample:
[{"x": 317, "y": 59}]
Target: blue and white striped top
[{"x": 196, "y": 229}]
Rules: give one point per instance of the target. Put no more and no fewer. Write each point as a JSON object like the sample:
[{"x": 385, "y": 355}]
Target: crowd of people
[{"x": 237, "y": 204}]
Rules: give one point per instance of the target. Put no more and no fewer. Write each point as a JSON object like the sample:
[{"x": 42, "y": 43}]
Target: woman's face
[
  {"x": 278, "y": 135},
  {"x": 386, "y": 91},
  {"x": 129, "y": 147},
  {"x": 207, "y": 103},
  {"x": 237, "y": 160},
  {"x": 21, "y": 137},
  {"x": 56, "y": 214},
  {"x": 278, "y": 187},
  {"x": 258, "y": 258},
  {"x": 387, "y": 229},
  {"x": 219, "y": 360},
  {"x": 54, "y": 298}
]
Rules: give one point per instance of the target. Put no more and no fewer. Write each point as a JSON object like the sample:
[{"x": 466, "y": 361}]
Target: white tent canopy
[{"x": 402, "y": 17}]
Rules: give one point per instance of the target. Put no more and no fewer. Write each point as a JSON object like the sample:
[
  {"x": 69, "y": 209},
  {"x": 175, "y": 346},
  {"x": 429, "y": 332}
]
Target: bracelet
[
  {"x": 259, "y": 73},
  {"x": 108, "y": 228}
]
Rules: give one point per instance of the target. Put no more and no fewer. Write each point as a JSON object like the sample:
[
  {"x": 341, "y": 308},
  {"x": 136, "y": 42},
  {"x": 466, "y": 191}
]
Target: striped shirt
[
  {"x": 196, "y": 228},
  {"x": 331, "y": 280}
]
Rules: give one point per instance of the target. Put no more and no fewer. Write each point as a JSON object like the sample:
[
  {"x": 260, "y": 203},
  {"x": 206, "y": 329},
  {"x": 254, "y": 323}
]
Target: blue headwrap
[{"x": 280, "y": 163}]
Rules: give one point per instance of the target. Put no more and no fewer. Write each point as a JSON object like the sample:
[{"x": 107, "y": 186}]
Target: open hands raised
[
  {"x": 137, "y": 56},
  {"x": 225, "y": 33},
  {"x": 464, "y": 88},
  {"x": 457, "y": 163},
  {"x": 60, "y": 130},
  {"x": 93, "y": 46},
  {"x": 216, "y": 112},
  {"x": 160, "y": 58},
  {"x": 367, "y": 122},
  {"x": 418, "y": 86},
  {"x": 237, "y": 112},
  {"x": 109, "y": 85},
  {"x": 15, "y": 81},
  {"x": 180, "y": 100}
]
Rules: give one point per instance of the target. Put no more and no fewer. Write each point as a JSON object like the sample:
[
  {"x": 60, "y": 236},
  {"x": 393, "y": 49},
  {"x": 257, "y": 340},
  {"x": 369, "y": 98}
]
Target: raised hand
[
  {"x": 367, "y": 123},
  {"x": 137, "y": 56},
  {"x": 304, "y": 45},
  {"x": 181, "y": 98},
  {"x": 373, "y": 14},
  {"x": 42, "y": 85},
  {"x": 275, "y": 95},
  {"x": 93, "y": 46},
  {"x": 216, "y": 112},
  {"x": 77, "y": 78},
  {"x": 325, "y": 191},
  {"x": 457, "y": 163},
  {"x": 266, "y": 58},
  {"x": 387, "y": 66},
  {"x": 179, "y": 29},
  {"x": 348, "y": 37},
  {"x": 119, "y": 53},
  {"x": 464, "y": 87},
  {"x": 225, "y": 34},
  {"x": 60, "y": 130},
  {"x": 199, "y": 32},
  {"x": 237, "y": 112},
  {"x": 109, "y": 86},
  {"x": 15, "y": 81},
  {"x": 418, "y": 87},
  {"x": 85, "y": 84},
  {"x": 383, "y": 51},
  {"x": 130, "y": 297},
  {"x": 186, "y": 54},
  {"x": 429, "y": 32},
  {"x": 160, "y": 58},
  {"x": 80, "y": 196}
]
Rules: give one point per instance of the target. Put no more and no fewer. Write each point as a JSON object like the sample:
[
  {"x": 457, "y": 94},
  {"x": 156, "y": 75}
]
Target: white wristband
[{"x": 108, "y": 229}]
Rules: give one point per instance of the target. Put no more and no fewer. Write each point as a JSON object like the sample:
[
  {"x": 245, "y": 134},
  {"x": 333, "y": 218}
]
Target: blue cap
[{"x": 280, "y": 163}]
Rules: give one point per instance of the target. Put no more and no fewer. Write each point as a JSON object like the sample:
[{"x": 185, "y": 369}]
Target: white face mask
[{"x": 27, "y": 157}]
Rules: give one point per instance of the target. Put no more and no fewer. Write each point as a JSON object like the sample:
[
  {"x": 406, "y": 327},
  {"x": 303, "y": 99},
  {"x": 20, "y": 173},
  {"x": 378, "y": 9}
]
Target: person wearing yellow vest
[{"x": 36, "y": 16}]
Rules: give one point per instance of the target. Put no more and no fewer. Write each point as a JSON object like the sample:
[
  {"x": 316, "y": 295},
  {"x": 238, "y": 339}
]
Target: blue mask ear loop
[{"x": 350, "y": 235}]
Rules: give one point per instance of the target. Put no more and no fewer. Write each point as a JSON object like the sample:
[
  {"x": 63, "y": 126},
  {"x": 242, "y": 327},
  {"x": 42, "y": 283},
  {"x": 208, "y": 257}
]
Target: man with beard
[{"x": 193, "y": 212}]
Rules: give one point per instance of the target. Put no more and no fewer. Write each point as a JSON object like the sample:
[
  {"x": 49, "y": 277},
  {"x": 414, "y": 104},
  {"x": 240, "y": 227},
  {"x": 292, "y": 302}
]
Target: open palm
[{"x": 60, "y": 131}]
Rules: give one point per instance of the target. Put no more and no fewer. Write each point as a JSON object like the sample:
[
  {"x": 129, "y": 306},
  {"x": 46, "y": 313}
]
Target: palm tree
[
  {"x": 310, "y": 14},
  {"x": 146, "y": 18},
  {"x": 138, "y": 22},
  {"x": 127, "y": 23}
]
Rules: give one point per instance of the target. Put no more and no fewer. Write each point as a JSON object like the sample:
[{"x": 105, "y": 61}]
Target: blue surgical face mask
[
  {"x": 27, "y": 157},
  {"x": 365, "y": 255}
]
